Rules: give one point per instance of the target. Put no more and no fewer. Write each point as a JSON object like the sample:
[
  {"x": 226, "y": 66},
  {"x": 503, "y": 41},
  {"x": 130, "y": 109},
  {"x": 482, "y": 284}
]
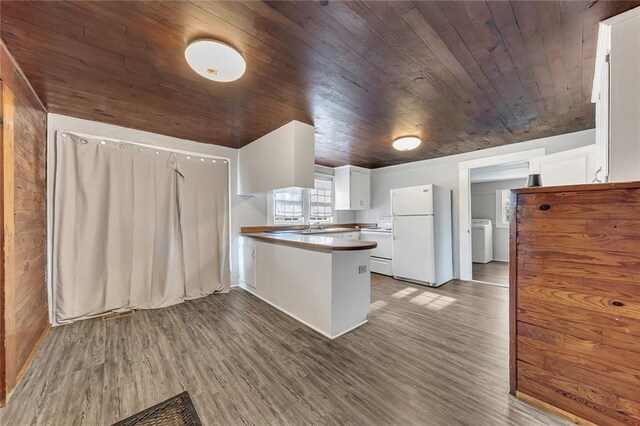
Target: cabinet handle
[{"x": 544, "y": 207}]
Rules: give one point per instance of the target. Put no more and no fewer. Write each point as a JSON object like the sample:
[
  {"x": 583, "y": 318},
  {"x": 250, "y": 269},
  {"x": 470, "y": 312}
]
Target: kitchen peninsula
[{"x": 319, "y": 277}]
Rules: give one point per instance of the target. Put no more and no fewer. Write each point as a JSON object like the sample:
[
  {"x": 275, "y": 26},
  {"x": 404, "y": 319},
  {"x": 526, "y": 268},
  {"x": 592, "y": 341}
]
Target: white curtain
[
  {"x": 134, "y": 227},
  {"x": 204, "y": 225}
]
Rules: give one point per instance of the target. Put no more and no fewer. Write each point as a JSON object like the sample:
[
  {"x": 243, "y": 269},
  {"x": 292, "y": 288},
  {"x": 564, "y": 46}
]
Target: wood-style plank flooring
[
  {"x": 427, "y": 356},
  {"x": 493, "y": 272}
]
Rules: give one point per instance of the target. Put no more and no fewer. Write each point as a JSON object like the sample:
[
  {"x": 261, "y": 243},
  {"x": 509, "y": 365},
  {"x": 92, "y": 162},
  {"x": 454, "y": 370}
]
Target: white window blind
[
  {"x": 288, "y": 206},
  {"x": 321, "y": 200}
]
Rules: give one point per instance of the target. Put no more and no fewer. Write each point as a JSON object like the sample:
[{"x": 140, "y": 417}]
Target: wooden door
[{"x": 577, "y": 295}]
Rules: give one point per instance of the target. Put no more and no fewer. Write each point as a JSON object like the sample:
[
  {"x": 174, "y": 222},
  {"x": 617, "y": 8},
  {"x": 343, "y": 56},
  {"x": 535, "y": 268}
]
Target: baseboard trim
[
  {"x": 488, "y": 283},
  {"x": 349, "y": 329},
  {"x": 327, "y": 335},
  {"x": 553, "y": 409}
]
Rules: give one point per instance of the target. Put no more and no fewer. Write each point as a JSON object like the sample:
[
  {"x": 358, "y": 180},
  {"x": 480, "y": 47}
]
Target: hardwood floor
[
  {"x": 493, "y": 272},
  {"x": 427, "y": 356}
]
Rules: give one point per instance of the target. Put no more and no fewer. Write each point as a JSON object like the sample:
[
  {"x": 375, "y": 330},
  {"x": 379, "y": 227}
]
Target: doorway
[
  {"x": 465, "y": 168},
  {"x": 490, "y": 207}
]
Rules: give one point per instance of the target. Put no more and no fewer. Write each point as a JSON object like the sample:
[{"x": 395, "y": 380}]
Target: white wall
[
  {"x": 444, "y": 172},
  {"x": 244, "y": 210},
  {"x": 483, "y": 206}
]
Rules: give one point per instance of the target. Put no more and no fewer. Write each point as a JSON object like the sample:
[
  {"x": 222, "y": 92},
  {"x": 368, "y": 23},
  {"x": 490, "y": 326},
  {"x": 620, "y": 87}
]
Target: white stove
[{"x": 381, "y": 255}]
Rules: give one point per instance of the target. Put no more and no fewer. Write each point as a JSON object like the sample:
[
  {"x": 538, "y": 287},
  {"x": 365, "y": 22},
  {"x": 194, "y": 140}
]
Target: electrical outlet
[{"x": 362, "y": 269}]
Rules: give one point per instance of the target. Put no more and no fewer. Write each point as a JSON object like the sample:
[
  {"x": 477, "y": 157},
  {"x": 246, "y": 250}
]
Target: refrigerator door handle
[
  {"x": 393, "y": 197},
  {"x": 393, "y": 229}
]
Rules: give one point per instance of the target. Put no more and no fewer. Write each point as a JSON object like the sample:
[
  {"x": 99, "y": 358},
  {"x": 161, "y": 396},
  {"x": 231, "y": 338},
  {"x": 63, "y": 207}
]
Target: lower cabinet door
[
  {"x": 248, "y": 264},
  {"x": 381, "y": 266}
]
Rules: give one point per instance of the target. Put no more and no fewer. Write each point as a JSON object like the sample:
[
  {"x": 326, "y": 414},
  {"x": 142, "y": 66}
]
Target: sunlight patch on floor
[
  {"x": 432, "y": 301},
  {"x": 404, "y": 293},
  {"x": 378, "y": 304}
]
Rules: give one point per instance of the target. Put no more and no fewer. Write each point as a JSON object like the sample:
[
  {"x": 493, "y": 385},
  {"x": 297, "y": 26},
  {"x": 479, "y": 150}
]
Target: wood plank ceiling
[{"x": 461, "y": 75}]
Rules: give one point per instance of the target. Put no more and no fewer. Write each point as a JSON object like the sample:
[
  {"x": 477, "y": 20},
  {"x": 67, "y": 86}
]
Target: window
[
  {"x": 296, "y": 205},
  {"x": 503, "y": 208},
  {"x": 321, "y": 200},
  {"x": 288, "y": 206}
]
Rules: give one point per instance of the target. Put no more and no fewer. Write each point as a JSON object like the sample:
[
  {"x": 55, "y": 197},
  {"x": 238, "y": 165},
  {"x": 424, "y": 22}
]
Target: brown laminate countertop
[
  {"x": 313, "y": 242},
  {"x": 326, "y": 228}
]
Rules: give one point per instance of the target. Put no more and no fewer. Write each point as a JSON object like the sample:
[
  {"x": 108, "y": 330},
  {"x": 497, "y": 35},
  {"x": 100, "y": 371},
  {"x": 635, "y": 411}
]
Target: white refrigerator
[{"x": 422, "y": 243}]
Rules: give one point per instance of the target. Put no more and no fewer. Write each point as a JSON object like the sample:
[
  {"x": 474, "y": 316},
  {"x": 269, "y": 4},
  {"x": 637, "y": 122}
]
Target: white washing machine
[{"x": 482, "y": 240}]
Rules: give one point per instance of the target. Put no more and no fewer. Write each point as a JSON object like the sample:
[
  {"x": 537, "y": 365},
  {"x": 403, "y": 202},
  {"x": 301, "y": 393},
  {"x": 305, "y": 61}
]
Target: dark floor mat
[{"x": 175, "y": 411}]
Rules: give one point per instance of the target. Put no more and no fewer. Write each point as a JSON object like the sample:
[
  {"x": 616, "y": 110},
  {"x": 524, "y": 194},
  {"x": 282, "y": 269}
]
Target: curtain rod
[{"x": 158, "y": 148}]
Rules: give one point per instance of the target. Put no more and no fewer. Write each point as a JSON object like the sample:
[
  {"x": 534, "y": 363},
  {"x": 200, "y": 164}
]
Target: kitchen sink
[
  {"x": 310, "y": 231},
  {"x": 314, "y": 231},
  {"x": 284, "y": 231}
]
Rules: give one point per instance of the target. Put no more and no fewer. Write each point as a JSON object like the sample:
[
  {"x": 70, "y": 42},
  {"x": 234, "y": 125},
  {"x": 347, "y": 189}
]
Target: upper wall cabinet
[
  {"x": 283, "y": 158},
  {"x": 616, "y": 93},
  {"x": 353, "y": 188}
]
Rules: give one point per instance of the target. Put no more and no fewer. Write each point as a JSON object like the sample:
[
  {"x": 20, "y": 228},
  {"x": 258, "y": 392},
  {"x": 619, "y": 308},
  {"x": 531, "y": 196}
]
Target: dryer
[{"x": 482, "y": 240}]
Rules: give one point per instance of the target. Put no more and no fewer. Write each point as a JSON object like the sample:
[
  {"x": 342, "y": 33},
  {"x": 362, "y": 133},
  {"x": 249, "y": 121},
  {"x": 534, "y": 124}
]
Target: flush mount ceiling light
[
  {"x": 215, "y": 60},
  {"x": 406, "y": 143}
]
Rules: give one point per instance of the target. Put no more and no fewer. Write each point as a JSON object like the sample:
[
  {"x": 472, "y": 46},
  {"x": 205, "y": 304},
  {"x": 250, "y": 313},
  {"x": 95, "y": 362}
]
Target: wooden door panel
[
  {"x": 576, "y": 300},
  {"x": 567, "y": 401},
  {"x": 574, "y": 320},
  {"x": 614, "y": 196},
  {"x": 618, "y": 379},
  {"x": 579, "y": 299},
  {"x": 564, "y": 226},
  {"x": 579, "y": 211},
  {"x": 588, "y": 257},
  {"x": 613, "y": 226},
  {"x": 623, "y": 244},
  {"x": 568, "y": 269}
]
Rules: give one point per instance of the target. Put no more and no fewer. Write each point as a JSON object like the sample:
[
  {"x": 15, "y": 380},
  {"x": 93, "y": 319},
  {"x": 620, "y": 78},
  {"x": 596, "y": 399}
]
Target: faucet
[{"x": 310, "y": 224}]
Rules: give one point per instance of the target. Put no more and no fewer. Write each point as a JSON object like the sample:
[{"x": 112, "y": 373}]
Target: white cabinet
[
  {"x": 247, "y": 262},
  {"x": 616, "y": 92},
  {"x": 283, "y": 158},
  {"x": 573, "y": 167},
  {"x": 353, "y": 188}
]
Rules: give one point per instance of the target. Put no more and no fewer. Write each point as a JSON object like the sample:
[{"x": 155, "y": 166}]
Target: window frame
[
  {"x": 307, "y": 200},
  {"x": 296, "y": 221},
  {"x": 306, "y": 205},
  {"x": 503, "y": 200}
]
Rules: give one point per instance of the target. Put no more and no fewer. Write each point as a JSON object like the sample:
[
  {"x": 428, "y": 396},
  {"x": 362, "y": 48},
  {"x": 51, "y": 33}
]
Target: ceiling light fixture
[
  {"x": 215, "y": 60},
  {"x": 406, "y": 143}
]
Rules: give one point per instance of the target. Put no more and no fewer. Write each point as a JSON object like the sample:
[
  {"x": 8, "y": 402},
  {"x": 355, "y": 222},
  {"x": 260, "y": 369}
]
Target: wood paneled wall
[
  {"x": 575, "y": 300},
  {"x": 23, "y": 290}
]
